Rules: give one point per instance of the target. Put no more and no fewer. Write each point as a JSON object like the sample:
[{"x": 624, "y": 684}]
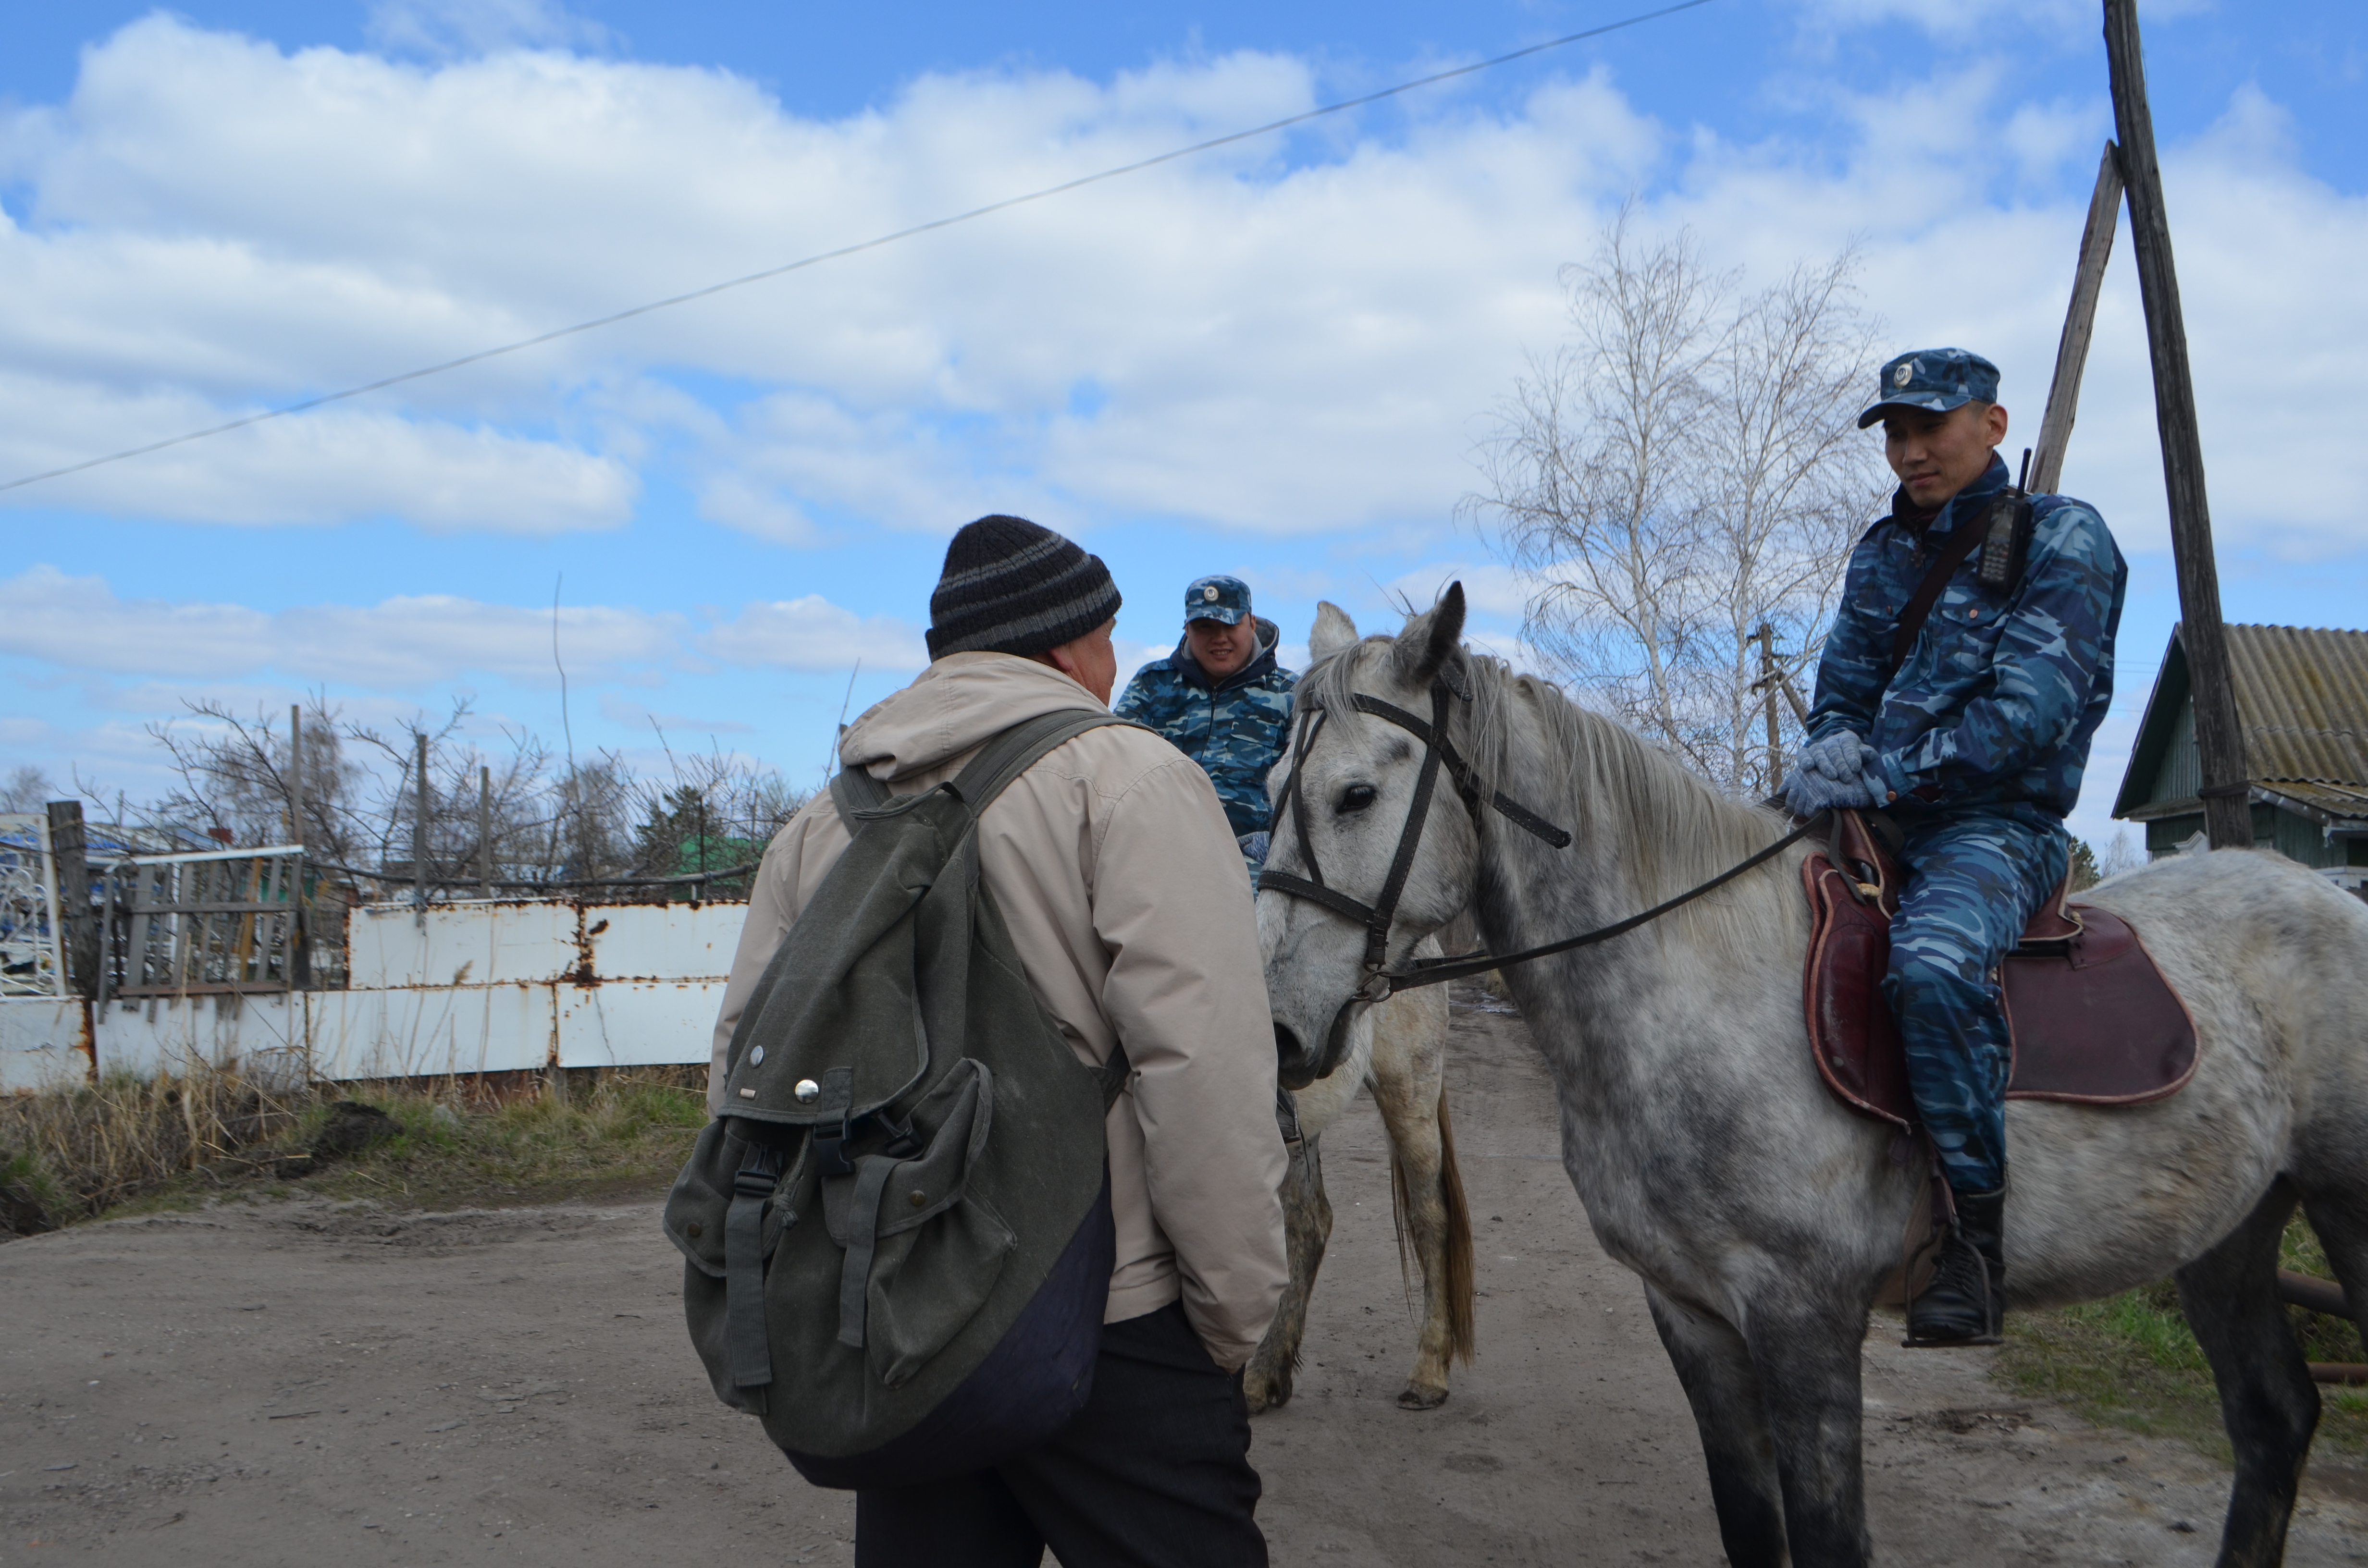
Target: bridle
[
  {"x": 1377, "y": 917},
  {"x": 1380, "y": 981}
]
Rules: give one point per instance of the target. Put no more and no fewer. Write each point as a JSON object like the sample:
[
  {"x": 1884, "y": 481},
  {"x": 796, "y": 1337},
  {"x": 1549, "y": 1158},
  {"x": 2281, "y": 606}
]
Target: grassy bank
[
  {"x": 126, "y": 1146},
  {"x": 2131, "y": 1362}
]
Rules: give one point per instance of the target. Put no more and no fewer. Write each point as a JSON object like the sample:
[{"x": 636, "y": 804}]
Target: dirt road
[{"x": 292, "y": 1384}]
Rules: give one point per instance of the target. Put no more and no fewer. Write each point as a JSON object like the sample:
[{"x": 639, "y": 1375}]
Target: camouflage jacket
[
  {"x": 2001, "y": 692},
  {"x": 1234, "y": 728}
]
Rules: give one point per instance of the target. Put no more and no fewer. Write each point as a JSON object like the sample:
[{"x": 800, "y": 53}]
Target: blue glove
[
  {"x": 1807, "y": 792},
  {"x": 1839, "y": 758},
  {"x": 1254, "y": 848}
]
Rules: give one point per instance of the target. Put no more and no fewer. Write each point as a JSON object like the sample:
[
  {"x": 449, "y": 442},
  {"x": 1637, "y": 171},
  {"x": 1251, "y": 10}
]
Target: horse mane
[{"x": 1662, "y": 827}]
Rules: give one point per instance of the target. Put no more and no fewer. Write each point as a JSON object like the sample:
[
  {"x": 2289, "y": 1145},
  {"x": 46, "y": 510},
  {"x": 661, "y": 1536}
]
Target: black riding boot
[{"x": 1965, "y": 1303}]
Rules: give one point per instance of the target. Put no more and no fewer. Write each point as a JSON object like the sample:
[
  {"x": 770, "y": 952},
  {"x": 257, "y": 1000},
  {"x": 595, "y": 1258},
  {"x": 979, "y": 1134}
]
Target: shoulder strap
[
  {"x": 1018, "y": 748},
  {"x": 1963, "y": 541},
  {"x": 989, "y": 773}
]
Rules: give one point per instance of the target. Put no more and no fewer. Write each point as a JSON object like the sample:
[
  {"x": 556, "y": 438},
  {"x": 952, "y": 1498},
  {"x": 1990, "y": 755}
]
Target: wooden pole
[
  {"x": 1768, "y": 700},
  {"x": 2228, "y": 810},
  {"x": 419, "y": 831},
  {"x": 2079, "y": 322},
  {"x": 296, "y": 775},
  {"x": 485, "y": 830},
  {"x": 300, "y": 963},
  {"x": 79, "y": 934}
]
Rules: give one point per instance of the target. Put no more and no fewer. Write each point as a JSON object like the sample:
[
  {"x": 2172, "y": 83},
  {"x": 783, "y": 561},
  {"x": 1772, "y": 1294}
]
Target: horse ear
[
  {"x": 1334, "y": 631},
  {"x": 1431, "y": 639}
]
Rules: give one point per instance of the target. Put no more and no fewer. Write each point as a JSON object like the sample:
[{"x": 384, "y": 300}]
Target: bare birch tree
[{"x": 1683, "y": 473}]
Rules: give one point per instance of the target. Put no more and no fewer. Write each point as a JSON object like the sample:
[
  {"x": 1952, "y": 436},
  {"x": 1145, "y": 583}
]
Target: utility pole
[
  {"x": 484, "y": 830},
  {"x": 79, "y": 940},
  {"x": 296, "y": 777},
  {"x": 420, "y": 833},
  {"x": 1767, "y": 698},
  {"x": 2080, "y": 323},
  {"x": 2220, "y": 742}
]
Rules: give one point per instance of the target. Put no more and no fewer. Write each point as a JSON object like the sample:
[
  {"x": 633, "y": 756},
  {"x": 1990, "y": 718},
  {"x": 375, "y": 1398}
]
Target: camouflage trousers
[{"x": 1972, "y": 883}]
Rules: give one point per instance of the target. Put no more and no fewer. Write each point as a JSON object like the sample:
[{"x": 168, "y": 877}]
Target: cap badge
[
  {"x": 1902, "y": 374},
  {"x": 1209, "y": 593}
]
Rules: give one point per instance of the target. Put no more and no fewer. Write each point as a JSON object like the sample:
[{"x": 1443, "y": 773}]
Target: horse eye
[{"x": 1357, "y": 797}]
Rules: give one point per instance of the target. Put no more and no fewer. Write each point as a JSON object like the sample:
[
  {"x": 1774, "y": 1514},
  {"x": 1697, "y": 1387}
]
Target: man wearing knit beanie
[{"x": 1115, "y": 871}]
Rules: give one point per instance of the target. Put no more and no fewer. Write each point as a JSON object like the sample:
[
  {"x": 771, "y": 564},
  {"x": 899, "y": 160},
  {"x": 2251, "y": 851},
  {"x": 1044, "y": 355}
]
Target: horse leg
[
  {"x": 2267, "y": 1400},
  {"x": 1306, "y": 1227},
  {"x": 1715, "y": 1366},
  {"x": 1806, "y": 1355},
  {"x": 1427, "y": 1202}
]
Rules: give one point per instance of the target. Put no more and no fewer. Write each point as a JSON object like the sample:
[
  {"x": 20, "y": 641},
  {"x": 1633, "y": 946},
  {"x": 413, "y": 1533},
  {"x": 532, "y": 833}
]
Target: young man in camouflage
[
  {"x": 1222, "y": 700},
  {"x": 1974, "y": 742}
]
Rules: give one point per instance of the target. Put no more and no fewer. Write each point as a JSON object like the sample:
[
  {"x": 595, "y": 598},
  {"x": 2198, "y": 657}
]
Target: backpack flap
[{"x": 922, "y": 1251}]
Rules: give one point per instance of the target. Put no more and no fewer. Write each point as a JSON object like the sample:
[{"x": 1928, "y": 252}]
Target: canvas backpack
[{"x": 897, "y": 1231}]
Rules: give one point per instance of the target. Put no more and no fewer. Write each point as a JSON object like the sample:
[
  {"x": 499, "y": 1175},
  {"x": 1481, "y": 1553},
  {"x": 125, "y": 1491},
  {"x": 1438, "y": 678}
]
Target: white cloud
[
  {"x": 812, "y": 633},
  {"x": 1229, "y": 341},
  {"x": 333, "y": 466},
  {"x": 78, "y": 623}
]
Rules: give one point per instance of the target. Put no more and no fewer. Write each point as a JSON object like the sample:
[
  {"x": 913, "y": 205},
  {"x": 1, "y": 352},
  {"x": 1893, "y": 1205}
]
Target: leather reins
[{"x": 1382, "y": 982}]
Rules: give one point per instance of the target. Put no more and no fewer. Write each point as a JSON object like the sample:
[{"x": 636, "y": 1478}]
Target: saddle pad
[{"x": 2093, "y": 1021}]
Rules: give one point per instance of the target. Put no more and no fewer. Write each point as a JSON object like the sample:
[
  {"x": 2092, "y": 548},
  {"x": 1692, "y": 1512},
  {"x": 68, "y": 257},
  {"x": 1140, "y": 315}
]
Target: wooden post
[
  {"x": 2079, "y": 321},
  {"x": 78, "y": 933},
  {"x": 299, "y": 929},
  {"x": 2220, "y": 742},
  {"x": 485, "y": 830},
  {"x": 419, "y": 832},
  {"x": 1768, "y": 700},
  {"x": 295, "y": 775}
]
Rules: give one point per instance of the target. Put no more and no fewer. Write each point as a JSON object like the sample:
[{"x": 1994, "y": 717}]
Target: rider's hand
[
  {"x": 1837, "y": 758},
  {"x": 1807, "y": 792}
]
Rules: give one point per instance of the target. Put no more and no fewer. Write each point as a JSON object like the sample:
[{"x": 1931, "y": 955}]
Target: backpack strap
[
  {"x": 990, "y": 771},
  {"x": 1019, "y": 748}
]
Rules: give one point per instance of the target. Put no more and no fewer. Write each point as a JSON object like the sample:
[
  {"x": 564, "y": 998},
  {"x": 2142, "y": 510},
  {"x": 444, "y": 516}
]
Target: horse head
[{"x": 1372, "y": 849}]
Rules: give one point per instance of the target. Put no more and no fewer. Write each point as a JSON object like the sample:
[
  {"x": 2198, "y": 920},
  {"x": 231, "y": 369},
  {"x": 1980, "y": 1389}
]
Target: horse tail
[{"x": 1461, "y": 1284}]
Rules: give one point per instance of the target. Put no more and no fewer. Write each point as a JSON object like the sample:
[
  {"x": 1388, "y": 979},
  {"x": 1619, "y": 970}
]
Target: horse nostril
[{"x": 1293, "y": 1069}]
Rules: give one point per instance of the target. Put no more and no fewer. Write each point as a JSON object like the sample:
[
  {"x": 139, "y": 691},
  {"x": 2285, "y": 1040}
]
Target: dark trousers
[{"x": 1153, "y": 1471}]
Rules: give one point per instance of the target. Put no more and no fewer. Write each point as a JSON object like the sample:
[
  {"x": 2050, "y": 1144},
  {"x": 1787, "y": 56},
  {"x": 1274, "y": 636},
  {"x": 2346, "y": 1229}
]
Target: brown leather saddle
[{"x": 2093, "y": 1021}]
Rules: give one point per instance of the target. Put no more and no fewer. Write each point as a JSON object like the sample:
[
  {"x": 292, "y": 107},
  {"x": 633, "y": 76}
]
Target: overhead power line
[{"x": 1009, "y": 202}]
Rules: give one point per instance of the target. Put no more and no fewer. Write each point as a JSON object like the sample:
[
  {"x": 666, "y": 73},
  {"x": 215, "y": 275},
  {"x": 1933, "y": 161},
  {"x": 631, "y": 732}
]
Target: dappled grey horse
[{"x": 1764, "y": 1217}]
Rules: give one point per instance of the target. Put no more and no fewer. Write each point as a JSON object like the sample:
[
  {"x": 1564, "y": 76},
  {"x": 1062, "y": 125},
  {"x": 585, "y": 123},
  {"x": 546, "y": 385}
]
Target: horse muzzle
[{"x": 1295, "y": 1067}]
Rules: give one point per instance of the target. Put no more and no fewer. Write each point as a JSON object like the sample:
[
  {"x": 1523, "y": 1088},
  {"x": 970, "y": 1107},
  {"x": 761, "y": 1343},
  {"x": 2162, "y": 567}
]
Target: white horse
[
  {"x": 1400, "y": 1052},
  {"x": 1763, "y": 1215}
]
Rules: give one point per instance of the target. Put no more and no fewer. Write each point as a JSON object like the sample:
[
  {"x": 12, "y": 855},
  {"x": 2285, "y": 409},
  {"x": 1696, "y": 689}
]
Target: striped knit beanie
[{"x": 1011, "y": 586}]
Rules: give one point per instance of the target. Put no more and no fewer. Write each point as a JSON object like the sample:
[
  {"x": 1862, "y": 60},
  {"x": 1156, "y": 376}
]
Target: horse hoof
[
  {"x": 1260, "y": 1395},
  {"x": 1419, "y": 1396}
]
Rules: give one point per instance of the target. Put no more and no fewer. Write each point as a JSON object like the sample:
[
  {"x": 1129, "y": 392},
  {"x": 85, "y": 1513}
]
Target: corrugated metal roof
[
  {"x": 2301, "y": 698},
  {"x": 2333, "y": 800}
]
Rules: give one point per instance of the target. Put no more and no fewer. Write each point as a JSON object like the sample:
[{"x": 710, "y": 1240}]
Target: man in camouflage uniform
[
  {"x": 1223, "y": 701},
  {"x": 1974, "y": 743}
]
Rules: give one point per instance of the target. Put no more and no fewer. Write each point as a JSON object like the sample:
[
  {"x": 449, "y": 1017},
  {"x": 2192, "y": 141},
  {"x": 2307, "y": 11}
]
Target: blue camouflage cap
[
  {"x": 1217, "y": 598},
  {"x": 1937, "y": 379}
]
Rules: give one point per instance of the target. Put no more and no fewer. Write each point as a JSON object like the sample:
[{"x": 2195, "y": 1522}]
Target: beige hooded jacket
[{"x": 1116, "y": 872}]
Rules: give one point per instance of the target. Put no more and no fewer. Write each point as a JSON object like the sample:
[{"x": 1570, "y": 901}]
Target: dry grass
[
  {"x": 2130, "y": 1361},
  {"x": 174, "y": 1141}
]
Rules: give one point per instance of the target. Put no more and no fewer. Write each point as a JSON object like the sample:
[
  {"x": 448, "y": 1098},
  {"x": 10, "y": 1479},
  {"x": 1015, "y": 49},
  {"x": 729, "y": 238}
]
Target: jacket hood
[
  {"x": 1260, "y": 662},
  {"x": 959, "y": 703}
]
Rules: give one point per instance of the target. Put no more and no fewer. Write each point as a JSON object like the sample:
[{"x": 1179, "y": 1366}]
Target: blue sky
[{"x": 1274, "y": 361}]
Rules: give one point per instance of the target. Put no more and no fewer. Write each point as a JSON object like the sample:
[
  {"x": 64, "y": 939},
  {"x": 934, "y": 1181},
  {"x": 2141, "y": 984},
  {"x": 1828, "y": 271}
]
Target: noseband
[{"x": 1377, "y": 917}]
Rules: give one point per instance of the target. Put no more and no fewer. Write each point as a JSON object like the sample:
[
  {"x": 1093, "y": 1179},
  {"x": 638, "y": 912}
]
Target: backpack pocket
[{"x": 922, "y": 1251}]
